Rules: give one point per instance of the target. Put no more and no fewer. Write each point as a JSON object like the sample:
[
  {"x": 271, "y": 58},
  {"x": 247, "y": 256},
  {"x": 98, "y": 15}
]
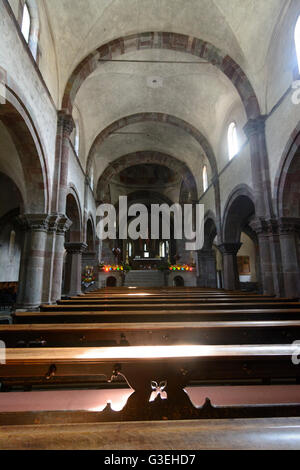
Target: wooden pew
[
  {"x": 166, "y": 301},
  {"x": 155, "y": 315},
  {"x": 131, "y": 334},
  {"x": 140, "y": 365},
  {"x": 177, "y": 295},
  {"x": 126, "y": 306},
  {"x": 228, "y": 338}
]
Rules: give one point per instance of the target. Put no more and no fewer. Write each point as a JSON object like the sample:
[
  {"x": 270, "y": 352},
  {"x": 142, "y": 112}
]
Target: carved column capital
[
  {"x": 65, "y": 122},
  {"x": 255, "y": 126},
  {"x": 289, "y": 225},
  {"x": 63, "y": 224},
  {"x": 34, "y": 222},
  {"x": 53, "y": 222},
  {"x": 264, "y": 226},
  {"x": 229, "y": 248},
  {"x": 75, "y": 247}
]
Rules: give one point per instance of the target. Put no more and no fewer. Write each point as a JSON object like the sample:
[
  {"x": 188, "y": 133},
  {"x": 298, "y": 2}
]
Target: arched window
[
  {"x": 26, "y": 23},
  {"x": 129, "y": 249},
  {"x": 30, "y": 26},
  {"x": 162, "y": 250},
  {"x": 205, "y": 178},
  {"x": 297, "y": 41},
  {"x": 76, "y": 139},
  {"x": 233, "y": 147},
  {"x": 91, "y": 178},
  {"x": 146, "y": 251}
]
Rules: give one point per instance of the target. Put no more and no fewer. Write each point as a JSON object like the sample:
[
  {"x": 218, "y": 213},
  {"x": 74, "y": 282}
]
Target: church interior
[{"x": 139, "y": 342}]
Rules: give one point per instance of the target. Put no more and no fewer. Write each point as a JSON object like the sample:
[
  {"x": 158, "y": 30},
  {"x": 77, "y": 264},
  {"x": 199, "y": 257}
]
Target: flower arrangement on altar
[
  {"x": 88, "y": 276},
  {"x": 114, "y": 267},
  {"x": 180, "y": 267}
]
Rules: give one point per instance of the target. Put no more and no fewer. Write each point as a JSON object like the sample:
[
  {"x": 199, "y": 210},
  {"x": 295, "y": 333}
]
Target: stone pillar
[
  {"x": 65, "y": 126},
  {"x": 90, "y": 258},
  {"x": 268, "y": 236},
  {"x": 255, "y": 131},
  {"x": 289, "y": 232},
  {"x": 265, "y": 264},
  {"x": 185, "y": 256},
  {"x": 49, "y": 258},
  {"x": 35, "y": 227},
  {"x": 63, "y": 226},
  {"x": 73, "y": 268},
  {"x": 98, "y": 244},
  {"x": 270, "y": 256},
  {"x": 206, "y": 268},
  {"x": 230, "y": 266},
  {"x": 274, "y": 243}
]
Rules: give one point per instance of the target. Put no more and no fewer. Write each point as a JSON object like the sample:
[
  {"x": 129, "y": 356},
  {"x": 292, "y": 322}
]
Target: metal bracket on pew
[
  {"x": 37, "y": 343},
  {"x": 51, "y": 372}
]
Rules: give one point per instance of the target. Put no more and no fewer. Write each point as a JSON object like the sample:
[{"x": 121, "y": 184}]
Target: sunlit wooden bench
[
  {"x": 136, "y": 334},
  {"x": 157, "y": 315}
]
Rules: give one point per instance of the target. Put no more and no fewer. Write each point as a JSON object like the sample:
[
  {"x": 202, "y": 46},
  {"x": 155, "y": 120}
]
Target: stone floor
[{"x": 260, "y": 434}]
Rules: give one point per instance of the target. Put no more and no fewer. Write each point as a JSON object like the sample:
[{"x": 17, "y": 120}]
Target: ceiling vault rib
[{"x": 155, "y": 61}]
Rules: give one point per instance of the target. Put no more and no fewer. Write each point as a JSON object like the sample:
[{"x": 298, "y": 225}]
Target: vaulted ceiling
[{"x": 157, "y": 80}]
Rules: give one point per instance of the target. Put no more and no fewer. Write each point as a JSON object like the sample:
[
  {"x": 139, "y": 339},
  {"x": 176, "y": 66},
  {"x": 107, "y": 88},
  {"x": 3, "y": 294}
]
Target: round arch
[
  {"x": 286, "y": 187},
  {"x": 22, "y": 131},
  {"x": 145, "y": 157},
  {"x": 74, "y": 213},
  {"x": 178, "y": 281},
  {"x": 143, "y": 196},
  {"x": 90, "y": 234},
  {"x": 210, "y": 230},
  {"x": 111, "y": 281},
  {"x": 239, "y": 209},
  {"x": 153, "y": 117},
  {"x": 167, "y": 41}
]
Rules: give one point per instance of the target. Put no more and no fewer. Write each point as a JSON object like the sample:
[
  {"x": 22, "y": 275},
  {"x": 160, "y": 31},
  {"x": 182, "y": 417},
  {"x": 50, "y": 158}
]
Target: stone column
[
  {"x": 206, "y": 268},
  {"x": 65, "y": 126},
  {"x": 269, "y": 246},
  {"x": 230, "y": 266},
  {"x": 265, "y": 263},
  {"x": 289, "y": 230},
  {"x": 185, "y": 256},
  {"x": 270, "y": 256},
  {"x": 63, "y": 226},
  {"x": 255, "y": 131},
  {"x": 49, "y": 258},
  {"x": 89, "y": 258},
  {"x": 73, "y": 268},
  {"x": 35, "y": 227}
]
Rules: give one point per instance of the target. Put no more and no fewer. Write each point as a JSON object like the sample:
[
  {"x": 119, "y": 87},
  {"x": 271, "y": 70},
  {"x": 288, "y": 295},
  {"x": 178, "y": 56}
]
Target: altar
[{"x": 148, "y": 263}]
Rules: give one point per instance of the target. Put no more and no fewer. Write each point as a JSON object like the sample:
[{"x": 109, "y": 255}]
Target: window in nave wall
[
  {"x": 30, "y": 26},
  {"x": 233, "y": 147},
  {"x": 91, "y": 178},
  {"x": 205, "y": 178},
  {"x": 76, "y": 138},
  {"x": 297, "y": 41},
  {"x": 26, "y": 23}
]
